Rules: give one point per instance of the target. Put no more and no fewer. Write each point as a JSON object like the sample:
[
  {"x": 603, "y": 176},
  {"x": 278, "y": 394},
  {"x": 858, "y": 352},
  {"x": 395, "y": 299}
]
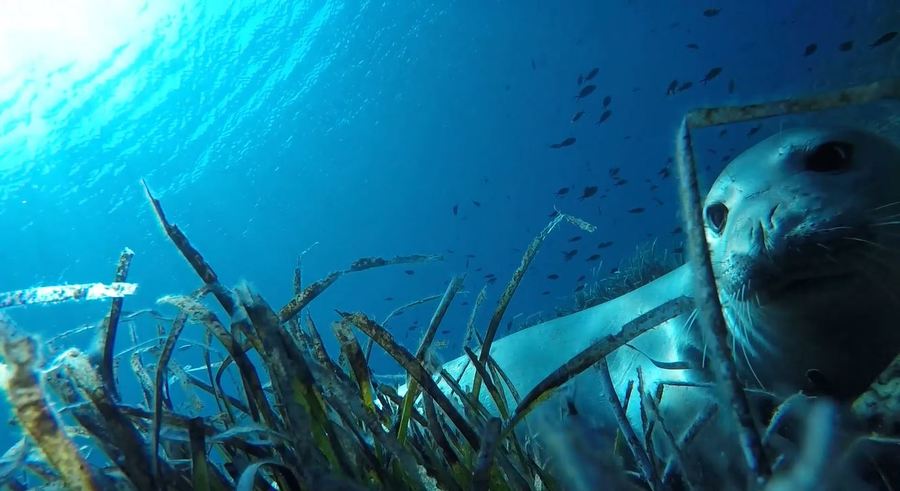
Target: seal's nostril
[
  {"x": 763, "y": 238},
  {"x": 772, "y": 215}
]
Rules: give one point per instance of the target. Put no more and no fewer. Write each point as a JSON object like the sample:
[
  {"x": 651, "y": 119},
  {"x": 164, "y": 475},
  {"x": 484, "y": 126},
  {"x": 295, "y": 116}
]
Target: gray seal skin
[{"x": 803, "y": 231}]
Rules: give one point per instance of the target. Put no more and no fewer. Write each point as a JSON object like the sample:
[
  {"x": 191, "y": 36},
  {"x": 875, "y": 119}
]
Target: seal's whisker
[
  {"x": 873, "y": 244},
  {"x": 832, "y": 229},
  {"x": 752, "y": 371},
  {"x": 886, "y": 217},
  {"x": 893, "y": 203}
]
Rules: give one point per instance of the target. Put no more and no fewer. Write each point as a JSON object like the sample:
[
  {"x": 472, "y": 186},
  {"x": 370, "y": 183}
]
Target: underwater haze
[{"x": 353, "y": 129}]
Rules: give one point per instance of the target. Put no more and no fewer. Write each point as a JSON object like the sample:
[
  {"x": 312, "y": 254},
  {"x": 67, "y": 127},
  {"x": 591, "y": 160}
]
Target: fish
[
  {"x": 636, "y": 210},
  {"x": 657, "y": 200},
  {"x": 603, "y": 117},
  {"x": 580, "y": 79},
  {"x": 575, "y": 239},
  {"x": 591, "y": 74},
  {"x": 684, "y": 86},
  {"x": 565, "y": 143},
  {"x": 580, "y": 279},
  {"x": 579, "y": 288},
  {"x": 553, "y": 276},
  {"x": 711, "y": 12},
  {"x": 568, "y": 255},
  {"x": 593, "y": 257},
  {"x": 810, "y": 49},
  {"x": 577, "y": 116},
  {"x": 604, "y": 245},
  {"x": 614, "y": 270},
  {"x": 754, "y": 130},
  {"x": 692, "y": 46},
  {"x": 606, "y": 101},
  {"x": 664, "y": 172},
  {"x": 677, "y": 230},
  {"x": 586, "y": 91},
  {"x": 588, "y": 192},
  {"x": 621, "y": 182},
  {"x": 562, "y": 191},
  {"x": 476, "y": 203},
  {"x": 723, "y": 133},
  {"x": 410, "y": 272},
  {"x": 845, "y": 46},
  {"x": 455, "y": 210},
  {"x": 545, "y": 292},
  {"x": 670, "y": 90},
  {"x": 711, "y": 74},
  {"x": 388, "y": 299},
  {"x": 614, "y": 171},
  {"x": 884, "y": 39},
  {"x": 731, "y": 86}
]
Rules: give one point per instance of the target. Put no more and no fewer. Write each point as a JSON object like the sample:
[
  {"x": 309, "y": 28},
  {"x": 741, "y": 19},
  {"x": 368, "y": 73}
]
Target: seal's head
[{"x": 804, "y": 232}]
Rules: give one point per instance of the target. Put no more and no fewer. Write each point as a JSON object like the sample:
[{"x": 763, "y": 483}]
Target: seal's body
[{"x": 804, "y": 230}]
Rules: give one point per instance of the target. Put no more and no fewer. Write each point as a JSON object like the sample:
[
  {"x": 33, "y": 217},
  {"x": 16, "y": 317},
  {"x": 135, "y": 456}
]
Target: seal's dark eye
[
  {"x": 831, "y": 156},
  {"x": 716, "y": 214}
]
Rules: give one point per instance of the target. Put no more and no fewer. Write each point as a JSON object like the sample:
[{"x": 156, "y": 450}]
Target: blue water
[{"x": 267, "y": 127}]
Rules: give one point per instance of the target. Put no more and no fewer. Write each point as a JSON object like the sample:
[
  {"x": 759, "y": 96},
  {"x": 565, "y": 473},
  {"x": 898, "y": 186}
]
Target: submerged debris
[{"x": 65, "y": 293}]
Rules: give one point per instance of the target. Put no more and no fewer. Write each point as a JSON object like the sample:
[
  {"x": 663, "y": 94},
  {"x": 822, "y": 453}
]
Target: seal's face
[{"x": 804, "y": 231}]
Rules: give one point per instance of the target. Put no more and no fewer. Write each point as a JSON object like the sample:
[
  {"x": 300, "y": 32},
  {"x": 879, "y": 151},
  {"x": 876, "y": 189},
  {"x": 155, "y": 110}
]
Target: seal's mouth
[
  {"x": 811, "y": 283},
  {"x": 813, "y": 270}
]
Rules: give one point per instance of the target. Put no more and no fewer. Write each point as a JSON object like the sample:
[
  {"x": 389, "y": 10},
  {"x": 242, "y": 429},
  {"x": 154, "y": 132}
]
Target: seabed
[{"x": 296, "y": 418}]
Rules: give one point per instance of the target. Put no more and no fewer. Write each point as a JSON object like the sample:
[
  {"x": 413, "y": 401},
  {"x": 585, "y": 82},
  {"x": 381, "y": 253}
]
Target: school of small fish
[{"x": 588, "y": 85}]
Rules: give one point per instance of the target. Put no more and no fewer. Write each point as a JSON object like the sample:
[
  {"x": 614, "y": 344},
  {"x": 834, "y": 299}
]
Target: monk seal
[{"x": 802, "y": 237}]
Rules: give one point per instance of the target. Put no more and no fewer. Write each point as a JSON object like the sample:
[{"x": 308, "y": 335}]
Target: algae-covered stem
[
  {"x": 861, "y": 94},
  {"x": 637, "y": 451},
  {"x": 596, "y": 352},
  {"x": 715, "y": 331},
  {"x": 111, "y": 326},
  {"x": 399, "y": 310},
  {"x": 33, "y": 412},
  {"x": 513, "y": 284},
  {"x": 191, "y": 254},
  {"x": 412, "y": 386}
]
